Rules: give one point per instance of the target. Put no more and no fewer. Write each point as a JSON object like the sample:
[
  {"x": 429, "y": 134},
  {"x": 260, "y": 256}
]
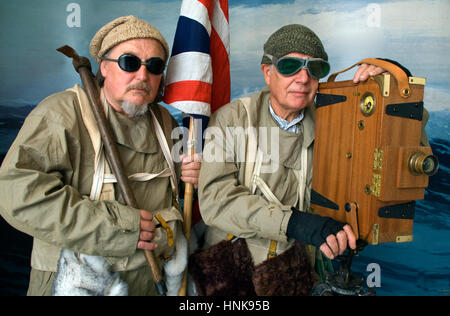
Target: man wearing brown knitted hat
[
  {"x": 56, "y": 184},
  {"x": 261, "y": 202}
]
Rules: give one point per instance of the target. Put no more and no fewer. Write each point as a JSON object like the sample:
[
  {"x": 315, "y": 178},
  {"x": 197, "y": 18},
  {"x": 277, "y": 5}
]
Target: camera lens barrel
[{"x": 420, "y": 163}]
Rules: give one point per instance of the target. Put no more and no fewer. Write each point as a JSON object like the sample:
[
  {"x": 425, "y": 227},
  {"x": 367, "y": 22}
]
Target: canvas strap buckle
[
  {"x": 170, "y": 239},
  {"x": 272, "y": 250}
]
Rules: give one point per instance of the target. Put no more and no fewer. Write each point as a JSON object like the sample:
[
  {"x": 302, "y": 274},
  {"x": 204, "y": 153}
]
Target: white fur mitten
[
  {"x": 174, "y": 269},
  {"x": 85, "y": 275}
]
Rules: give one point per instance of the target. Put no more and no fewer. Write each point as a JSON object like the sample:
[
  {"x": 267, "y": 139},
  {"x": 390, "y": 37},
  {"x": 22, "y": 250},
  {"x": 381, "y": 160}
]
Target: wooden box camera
[{"x": 369, "y": 163}]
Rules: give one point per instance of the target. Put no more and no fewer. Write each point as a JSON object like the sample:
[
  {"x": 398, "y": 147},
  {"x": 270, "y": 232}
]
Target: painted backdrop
[{"x": 414, "y": 33}]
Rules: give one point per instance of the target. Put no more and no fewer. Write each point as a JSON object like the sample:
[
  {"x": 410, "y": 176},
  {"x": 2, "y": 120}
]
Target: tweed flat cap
[
  {"x": 120, "y": 30},
  {"x": 293, "y": 38}
]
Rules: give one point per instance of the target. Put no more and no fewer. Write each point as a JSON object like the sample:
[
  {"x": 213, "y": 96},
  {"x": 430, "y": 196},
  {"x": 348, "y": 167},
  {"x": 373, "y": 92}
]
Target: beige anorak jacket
[
  {"x": 227, "y": 206},
  {"x": 46, "y": 179}
]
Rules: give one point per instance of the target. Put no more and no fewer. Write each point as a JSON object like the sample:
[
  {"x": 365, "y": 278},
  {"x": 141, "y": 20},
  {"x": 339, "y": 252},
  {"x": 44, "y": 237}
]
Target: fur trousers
[{"x": 227, "y": 269}]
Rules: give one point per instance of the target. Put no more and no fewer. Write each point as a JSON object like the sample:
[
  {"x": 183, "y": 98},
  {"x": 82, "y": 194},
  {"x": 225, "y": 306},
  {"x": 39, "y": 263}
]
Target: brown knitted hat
[
  {"x": 121, "y": 30},
  {"x": 293, "y": 38}
]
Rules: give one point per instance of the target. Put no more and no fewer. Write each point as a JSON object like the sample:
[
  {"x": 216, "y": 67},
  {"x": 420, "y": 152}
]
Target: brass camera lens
[{"x": 421, "y": 163}]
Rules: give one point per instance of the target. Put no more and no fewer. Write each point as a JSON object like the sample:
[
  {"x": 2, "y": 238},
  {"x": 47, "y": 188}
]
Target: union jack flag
[{"x": 198, "y": 73}]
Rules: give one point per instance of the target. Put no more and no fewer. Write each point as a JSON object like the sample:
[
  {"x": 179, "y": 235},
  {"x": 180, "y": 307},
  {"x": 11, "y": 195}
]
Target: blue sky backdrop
[{"x": 415, "y": 33}]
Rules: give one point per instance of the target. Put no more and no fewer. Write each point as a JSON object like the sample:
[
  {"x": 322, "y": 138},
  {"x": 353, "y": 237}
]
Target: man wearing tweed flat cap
[
  {"x": 56, "y": 184},
  {"x": 267, "y": 211}
]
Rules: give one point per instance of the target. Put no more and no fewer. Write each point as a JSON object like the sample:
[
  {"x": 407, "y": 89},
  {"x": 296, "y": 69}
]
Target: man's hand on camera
[
  {"x": 325, "y": 233},
  {"x": 365, "y": 71}
]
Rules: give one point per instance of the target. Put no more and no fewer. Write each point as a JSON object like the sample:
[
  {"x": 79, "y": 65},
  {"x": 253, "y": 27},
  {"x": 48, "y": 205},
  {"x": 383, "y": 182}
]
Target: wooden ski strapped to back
[{"x": 371, "y": 157}]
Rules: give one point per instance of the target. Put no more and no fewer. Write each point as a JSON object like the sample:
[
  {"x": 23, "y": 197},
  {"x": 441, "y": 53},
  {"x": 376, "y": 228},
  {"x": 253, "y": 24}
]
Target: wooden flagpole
[{"x": 188, "y": 199}]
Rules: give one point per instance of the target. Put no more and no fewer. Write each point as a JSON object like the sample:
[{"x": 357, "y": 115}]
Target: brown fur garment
[
  {"x": 224, "y": 269},
  {"x": 289, "y": 274},
  {"x": 227, "y": 269}
]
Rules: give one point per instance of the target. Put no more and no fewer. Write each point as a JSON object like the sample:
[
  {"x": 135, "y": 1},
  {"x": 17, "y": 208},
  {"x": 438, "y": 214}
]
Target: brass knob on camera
[
  {"x": 367, "y": 104},
  {"x": 421, "y": 163}
]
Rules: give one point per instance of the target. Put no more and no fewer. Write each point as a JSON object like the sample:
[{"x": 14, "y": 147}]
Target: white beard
[{"x": 134, "y": 110}]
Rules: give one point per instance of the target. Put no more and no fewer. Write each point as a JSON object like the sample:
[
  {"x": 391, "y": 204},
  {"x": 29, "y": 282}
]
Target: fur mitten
[{"x": 84, "y": 275}]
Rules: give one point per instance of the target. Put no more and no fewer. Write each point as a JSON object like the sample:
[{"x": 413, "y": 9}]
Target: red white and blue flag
[{"x": 198, "y": 73}]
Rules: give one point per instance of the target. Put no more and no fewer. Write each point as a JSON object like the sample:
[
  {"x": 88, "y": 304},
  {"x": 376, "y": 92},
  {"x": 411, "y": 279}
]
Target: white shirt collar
[{"x": 285, "y": 125}]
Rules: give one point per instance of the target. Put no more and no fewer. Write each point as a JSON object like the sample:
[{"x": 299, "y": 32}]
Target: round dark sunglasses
[
  {"x": 131, "y": 63},
  {"x": 317, "y": 68}
]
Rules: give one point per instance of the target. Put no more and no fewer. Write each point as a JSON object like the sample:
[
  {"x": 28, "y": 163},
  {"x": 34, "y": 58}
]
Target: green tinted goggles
[{"x": 317, "y": 68}]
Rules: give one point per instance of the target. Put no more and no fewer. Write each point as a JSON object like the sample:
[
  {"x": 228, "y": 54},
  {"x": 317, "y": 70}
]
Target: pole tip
[{"x": 68, "y": 51}]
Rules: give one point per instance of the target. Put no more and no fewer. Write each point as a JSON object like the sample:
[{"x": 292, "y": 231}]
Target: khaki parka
[
  {"x": 226, "y": 204},
  {"x": 46, "y": 179}
]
